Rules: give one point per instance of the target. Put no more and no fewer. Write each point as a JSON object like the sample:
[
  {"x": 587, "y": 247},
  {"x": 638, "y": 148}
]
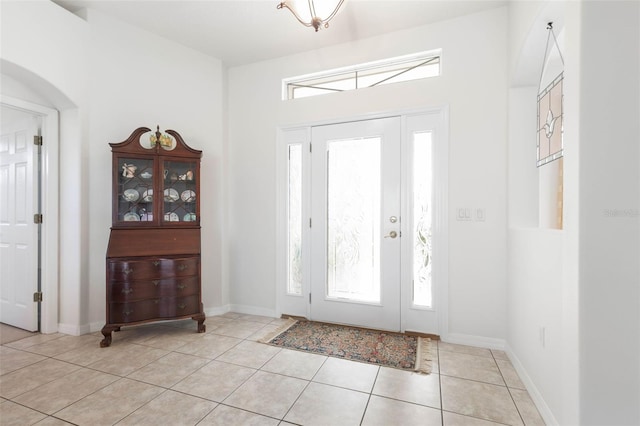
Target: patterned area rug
[{"x": 357, "y": 344}]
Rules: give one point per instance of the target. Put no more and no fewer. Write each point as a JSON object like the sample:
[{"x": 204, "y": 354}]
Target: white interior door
[
  {"x": 355, "y": 232},
  {"x": 18, "y": 233}
]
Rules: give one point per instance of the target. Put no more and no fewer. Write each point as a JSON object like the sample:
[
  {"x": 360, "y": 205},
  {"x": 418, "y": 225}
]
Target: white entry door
[
  {"x": 364, "y": 222},
  {"x": 355, "y": 232},
  {"x": 19, "y": 251}
]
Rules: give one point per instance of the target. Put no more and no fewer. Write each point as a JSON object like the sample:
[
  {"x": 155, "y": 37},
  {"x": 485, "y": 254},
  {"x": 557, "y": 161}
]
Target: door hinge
[
  {"x": 309, "y": 298},
  {"x": 37, "y": 296},
  {"x": 309, "y": 222},
  {"x": 310, "y": 148},
  {"x": 37, "y": 218},
  {"x": 37, "y": 140}
]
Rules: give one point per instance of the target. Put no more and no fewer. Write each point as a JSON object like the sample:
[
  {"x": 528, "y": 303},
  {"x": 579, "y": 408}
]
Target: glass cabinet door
[
  {"x": 180, "y": 191},
  {"x": 135, "y": 190}
]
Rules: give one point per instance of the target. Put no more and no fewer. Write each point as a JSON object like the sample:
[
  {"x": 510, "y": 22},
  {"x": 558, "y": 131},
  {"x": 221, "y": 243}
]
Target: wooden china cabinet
[{"x": 153, "y": 256}]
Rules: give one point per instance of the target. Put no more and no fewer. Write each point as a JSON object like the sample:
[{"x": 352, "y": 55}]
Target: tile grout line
[
  {"x": 366, "y": 407},
  {"x": 508, "y": 389},
  {"x": 440, "y": 386},
  {"x": 260, "y": 369},
  {"x": 235, "y": 321}
]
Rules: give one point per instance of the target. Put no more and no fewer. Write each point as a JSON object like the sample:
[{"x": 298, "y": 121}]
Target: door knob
[{"x": 392, "y": 234}]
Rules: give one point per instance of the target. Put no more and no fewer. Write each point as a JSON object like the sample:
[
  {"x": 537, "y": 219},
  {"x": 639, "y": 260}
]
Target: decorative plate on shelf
[
  {"x": 131, "y": 217},
  {"x": 188, "y": 196},
  {"x": 147, "y": 196},
  {"x": 171, "y": 217},
  {"x": 171, "y": 195},
  {"x": 189, "y": 217},
  {"x": 149, "y": 140},
  {"x": 131, "y": 195}
]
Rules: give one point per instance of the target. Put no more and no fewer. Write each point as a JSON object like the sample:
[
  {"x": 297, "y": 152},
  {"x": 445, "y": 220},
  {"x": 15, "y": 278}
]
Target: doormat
[{"x": 383, "y": 348}]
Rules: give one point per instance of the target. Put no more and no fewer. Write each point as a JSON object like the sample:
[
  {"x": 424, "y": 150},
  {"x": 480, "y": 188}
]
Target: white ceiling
[{"x": 244, "y": 31}]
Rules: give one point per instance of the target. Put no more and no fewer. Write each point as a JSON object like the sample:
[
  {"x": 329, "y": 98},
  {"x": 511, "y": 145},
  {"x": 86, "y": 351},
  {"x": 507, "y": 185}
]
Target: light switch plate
[{"x": 463, "y": 213}]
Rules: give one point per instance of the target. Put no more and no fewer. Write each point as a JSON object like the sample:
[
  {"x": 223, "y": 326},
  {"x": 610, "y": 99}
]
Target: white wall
[
  {"x": 472, "y": 84},
  {"x": 107, "y": 79},
  {"x": 535, "y": 293},
  {"x": 535, "y": 310},
  {"x": 32, "y": 36},
  {"x": 523, "y": 181},
  {"x": 9, "y": 86},
  {"x": 609, "y": 202},
  {"x": 139, "y": 79},
  {"x": 588, "y": 371}
]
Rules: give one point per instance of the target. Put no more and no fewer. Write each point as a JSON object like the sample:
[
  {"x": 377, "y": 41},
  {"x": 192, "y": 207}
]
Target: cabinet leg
[
  {"x": 106, "y": 332},
  {"x": 200, "y": 318}
]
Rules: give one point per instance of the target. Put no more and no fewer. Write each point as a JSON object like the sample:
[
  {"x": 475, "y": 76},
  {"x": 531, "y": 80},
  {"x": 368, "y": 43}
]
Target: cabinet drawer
[
  {"x": 124, "y": 291},
  {"x": 148, "y": 269},
  {"x": 141, "y": 310}
]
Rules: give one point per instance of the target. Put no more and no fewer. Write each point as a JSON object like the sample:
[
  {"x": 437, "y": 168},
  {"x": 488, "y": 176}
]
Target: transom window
[{"x": 387, "y": 71}]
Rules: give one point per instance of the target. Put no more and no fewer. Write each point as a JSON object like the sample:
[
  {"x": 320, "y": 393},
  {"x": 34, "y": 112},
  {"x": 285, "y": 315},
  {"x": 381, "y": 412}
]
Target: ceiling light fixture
[{"x": 310, "y": 14}]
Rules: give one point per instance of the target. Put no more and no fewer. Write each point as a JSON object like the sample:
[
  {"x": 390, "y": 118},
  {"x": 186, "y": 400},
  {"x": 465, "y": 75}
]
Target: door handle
[{"x": 392, "y": 234}]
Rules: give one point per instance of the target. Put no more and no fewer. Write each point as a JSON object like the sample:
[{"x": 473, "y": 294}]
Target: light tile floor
[{"x": 166, "y": 374}]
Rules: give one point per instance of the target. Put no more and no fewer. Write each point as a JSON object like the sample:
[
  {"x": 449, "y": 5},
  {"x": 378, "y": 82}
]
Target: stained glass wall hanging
[
  {"x": 550, "y": 111},
  {"x": 550, "y": 122}
]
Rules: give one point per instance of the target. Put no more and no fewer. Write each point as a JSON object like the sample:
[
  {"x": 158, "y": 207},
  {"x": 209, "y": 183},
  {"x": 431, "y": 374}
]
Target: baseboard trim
[
  {"x": 217, "y": 310},
  {"x": 469, "y": 340},
  {"x": 96, "y": 326},
  {"x": 536, "y": 396},
  {"x": 74, "y": 330},
  {"x": 501, "y": 344},
  {"x": 77, "y": 330},
  {"x": 253, "y": 310}
]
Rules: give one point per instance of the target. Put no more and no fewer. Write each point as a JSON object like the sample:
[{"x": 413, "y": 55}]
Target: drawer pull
[
  {"x": 182, "y": 267},
  {"x": 127, "y": 290},
  {"x": 127, "y": 313},
  {"x": 156, "y": 301},
  {"x": 127, "y": 271},
  {"x": 182, "y": 306},
  {"x": 181, "y": 286},
  {"x": 156, "y": 263},
  {"x": 156, "y": 282}
]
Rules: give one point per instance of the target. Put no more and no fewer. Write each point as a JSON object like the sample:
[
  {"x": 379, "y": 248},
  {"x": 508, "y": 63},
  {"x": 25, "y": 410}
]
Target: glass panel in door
[
  {"x": 294, "y": 216},
  {"x": 135, "y": 190},
  {"x": 355, "y": 233},
  {"x": 179, "y": 191},
  {"x": 424, "y": 248},
  {"x": 422, "y": 218},
  {"x": 353, "y": 219}
]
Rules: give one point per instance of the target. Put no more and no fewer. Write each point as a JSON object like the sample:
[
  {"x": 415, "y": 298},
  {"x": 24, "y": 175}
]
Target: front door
[
  {"x": 355, "y": 232},
  {"x": 364, "y": 223},
  {"x": 19, "y": 250}
]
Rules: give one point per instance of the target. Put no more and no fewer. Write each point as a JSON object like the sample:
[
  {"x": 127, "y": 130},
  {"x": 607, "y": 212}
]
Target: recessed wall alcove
[{"x": 535, "y": 193}]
